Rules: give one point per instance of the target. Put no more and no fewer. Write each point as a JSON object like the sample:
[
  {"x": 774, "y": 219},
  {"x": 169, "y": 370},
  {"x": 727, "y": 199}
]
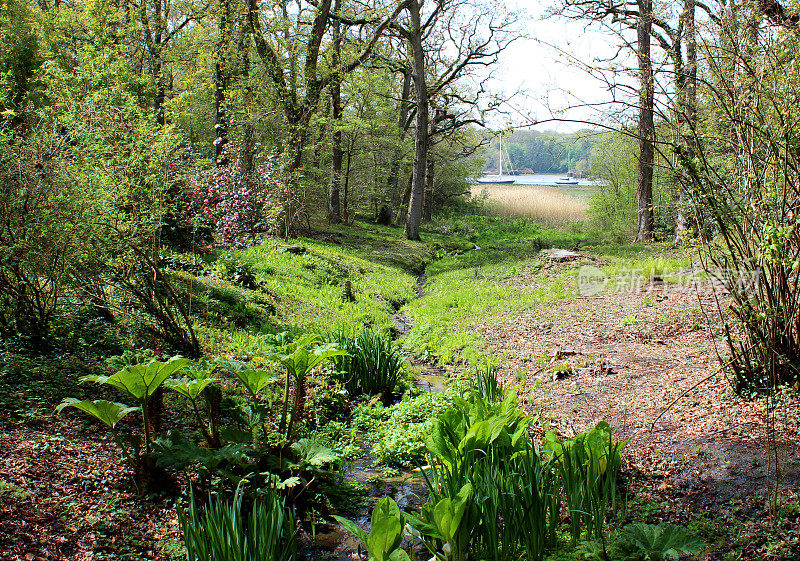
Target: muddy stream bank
[{"x": 407, "y": 488}]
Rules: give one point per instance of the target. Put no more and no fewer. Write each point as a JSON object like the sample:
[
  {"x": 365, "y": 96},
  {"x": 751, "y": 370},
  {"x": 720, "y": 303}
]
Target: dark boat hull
[{"x": 497, "y": 181}]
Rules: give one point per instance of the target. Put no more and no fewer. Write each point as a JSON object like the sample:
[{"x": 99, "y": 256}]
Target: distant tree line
[{"x": 530, "y": 151}]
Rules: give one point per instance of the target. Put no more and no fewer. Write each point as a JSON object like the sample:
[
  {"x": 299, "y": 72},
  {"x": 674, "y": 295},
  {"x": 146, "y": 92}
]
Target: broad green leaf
[
  {"x": 384, "y": 537},
  {"x": 352, "y": 527},
  {"x": 108, "y": 412},
  {"x": 142, "y": 380},
  {"x": 255, "y": 380},
  {"x": 385, "y": 508},
  {"x": 190, "y": 388},
  {"x": 314, "y": 454},
  {"x": 399, "y": 555},
  {"x": 443, "y": 515}
]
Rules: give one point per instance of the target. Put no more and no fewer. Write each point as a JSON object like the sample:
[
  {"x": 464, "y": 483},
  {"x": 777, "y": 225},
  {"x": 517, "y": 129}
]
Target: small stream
[{"x": 408, "y": 488}]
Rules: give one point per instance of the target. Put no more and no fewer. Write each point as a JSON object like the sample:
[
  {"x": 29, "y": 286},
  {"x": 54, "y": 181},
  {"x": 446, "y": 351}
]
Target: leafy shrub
[
  {"x": 373, "y": 364},
  {"x": 238, "y": 269},
  {"x": 43, "y": 233},
  {"x": 651, "y": 542},
  {"x": 223, "y": 530},
  {"x": 402, "y": 428},
  {"x": 188, "y": 263},
  {"x": 237, "y": 205}
]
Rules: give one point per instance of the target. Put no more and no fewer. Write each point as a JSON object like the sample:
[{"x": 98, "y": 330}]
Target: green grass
[
  {"x": 304, "y": 292},
  {"x": 466, "y": 289},
  {"x": 469, "y": 291}
]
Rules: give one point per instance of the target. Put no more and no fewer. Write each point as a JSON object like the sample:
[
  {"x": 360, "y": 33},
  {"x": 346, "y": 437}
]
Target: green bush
[{"x": 400, "y": 430}]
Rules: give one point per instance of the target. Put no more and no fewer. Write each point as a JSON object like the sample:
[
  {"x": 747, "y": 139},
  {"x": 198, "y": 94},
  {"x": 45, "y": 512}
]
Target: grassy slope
[
  {"x": 464, "y": 287},
  {"x": 507, "y": 274},
  {"x": 303, "y": 292}
]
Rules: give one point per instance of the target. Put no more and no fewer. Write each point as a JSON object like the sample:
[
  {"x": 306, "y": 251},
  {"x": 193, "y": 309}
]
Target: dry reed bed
[{"x": 533, "y": 201}]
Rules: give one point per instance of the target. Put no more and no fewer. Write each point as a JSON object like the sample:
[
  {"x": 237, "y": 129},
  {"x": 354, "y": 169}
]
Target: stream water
[{"x": 407, "y": 488}]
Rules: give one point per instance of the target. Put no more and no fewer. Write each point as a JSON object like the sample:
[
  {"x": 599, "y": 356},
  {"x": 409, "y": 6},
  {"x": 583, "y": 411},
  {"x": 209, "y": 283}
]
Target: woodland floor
[
  {"x": 66, "y": 497},
  {"x": 657, "y": 382},
  {"x": 696, "y": 449}
]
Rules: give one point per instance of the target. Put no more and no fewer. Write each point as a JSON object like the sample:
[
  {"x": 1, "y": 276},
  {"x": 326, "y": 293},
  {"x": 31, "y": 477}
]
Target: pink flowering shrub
[{"x": 235, "y": 205}]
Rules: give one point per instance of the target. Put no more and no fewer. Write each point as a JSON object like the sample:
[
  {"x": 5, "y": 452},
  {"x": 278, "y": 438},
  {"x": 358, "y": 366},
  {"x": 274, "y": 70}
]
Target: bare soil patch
[{"x": 631, "y": 356}]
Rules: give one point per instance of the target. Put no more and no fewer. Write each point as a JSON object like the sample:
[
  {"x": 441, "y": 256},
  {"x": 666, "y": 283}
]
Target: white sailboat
[
  {"x": 497, "y": 179},
  {"x": 568, "y": 179}
]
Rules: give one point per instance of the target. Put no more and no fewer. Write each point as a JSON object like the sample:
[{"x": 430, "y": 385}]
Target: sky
[{"x": 542, "y": 68}]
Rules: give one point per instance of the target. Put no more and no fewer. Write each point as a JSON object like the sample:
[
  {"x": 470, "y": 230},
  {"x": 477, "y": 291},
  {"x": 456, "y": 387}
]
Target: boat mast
[{"x": 500, "y": 161}]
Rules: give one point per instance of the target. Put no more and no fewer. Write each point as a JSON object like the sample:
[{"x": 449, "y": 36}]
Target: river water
[{"x": 546, "y": 179}]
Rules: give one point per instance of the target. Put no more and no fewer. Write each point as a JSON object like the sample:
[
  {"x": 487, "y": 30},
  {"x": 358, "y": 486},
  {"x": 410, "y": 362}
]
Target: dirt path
[{"x": 709, "y": 448}]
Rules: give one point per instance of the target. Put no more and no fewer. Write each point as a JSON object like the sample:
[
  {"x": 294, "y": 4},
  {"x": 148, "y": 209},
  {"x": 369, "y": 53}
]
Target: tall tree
[
  {"x": 646, "y": 126},
  {"x": 334, "y": 210},
  {"x": 687, "y": 115},
  {"x": 299, "y": 87},
  {"x": 413, "y": 33}
]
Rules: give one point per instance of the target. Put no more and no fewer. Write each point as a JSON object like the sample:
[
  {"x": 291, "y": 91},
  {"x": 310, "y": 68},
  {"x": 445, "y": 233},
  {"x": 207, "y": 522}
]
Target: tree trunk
[
  {"x": 687, "y": 118},
  {"x": 427, "y": 212},
  {"x": 415, "y": 203},
  {"x": 221, "y": 70},
  {"x": 334, "y": 212},
  {"x": 644, "y": 188},
  {"x": 393, "y": 181}
]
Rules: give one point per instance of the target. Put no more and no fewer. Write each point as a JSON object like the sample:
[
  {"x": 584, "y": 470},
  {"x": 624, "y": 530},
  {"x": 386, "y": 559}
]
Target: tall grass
[
  {"x": 486, "y": 383},
  {"x": 533, "y": 201},
  {"x": 373, "y": 364},
  {"x": 223, "y": 530}
]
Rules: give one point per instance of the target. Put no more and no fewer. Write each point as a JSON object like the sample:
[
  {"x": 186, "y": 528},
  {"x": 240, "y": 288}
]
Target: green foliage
[
  {"x": 223, "y": 530},
  {"x": 44, "y": 226},
  {"x": 613, "y": 208},
  {"x": 255, "y": 381},
  {"x": 107, "y": 412},
  {"x": 588, "y": 466},
  {"x": 647, "y": 542},
  {"x": 400, "y": 430},
  {"x": 140, "y": 381},
  {"x": 545, "y": 152},
  {"x": 373, "y": 364},
  {"x": 298, "y": 357},
  {"x": 486, "y": 383},
  {"x": 490, "y": 490},
  {"x": 448, "y": 521},
  {"x": 20, "y": 59},
  {"x": 190, "y": 388},
  {"x": 314, "y": 454},
  {"x": 386, "y": 532}
]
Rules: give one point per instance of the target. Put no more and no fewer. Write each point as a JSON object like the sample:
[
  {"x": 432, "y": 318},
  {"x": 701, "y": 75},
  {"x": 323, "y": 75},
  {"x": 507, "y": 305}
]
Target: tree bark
[
  {"x": 334, "y": 211},
  {"x": 427, "y": 212},
  {"x": 644, "y": 188},
  {"x": 414, "y": 216},
  {"x": 221, "y": 75},
  {"x": 687, "y": 117},
  {"x": 393, "y": 180}
]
